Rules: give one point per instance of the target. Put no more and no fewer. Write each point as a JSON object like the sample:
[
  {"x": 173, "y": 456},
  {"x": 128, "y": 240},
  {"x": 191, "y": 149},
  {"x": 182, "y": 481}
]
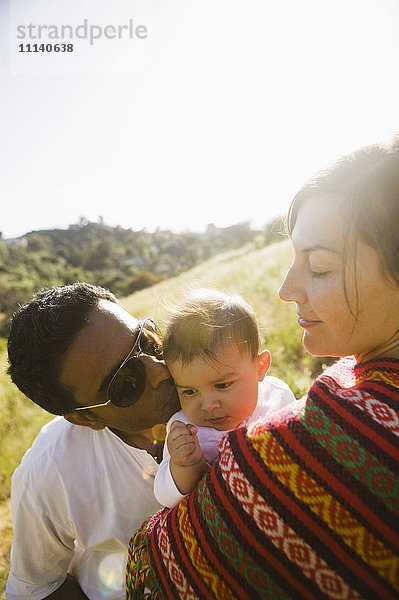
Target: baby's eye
[
  {"x": 224, "y": 386},
  {"x": 189, "y": 392}
]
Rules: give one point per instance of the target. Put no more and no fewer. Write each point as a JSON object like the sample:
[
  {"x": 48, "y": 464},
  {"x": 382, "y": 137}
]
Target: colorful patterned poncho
[{"x": 304, "y": 505}]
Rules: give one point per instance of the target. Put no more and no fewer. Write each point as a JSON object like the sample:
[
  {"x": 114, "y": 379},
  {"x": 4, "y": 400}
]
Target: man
[{"x": 87, "y": 482}]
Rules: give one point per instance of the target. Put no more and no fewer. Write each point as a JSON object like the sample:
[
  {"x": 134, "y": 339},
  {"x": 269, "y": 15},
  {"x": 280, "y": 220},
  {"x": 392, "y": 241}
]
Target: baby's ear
[{"x": 263, "y": 360}]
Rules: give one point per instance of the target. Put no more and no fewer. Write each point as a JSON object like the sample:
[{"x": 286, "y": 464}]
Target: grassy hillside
[
  {"x": 122, "y": 260},
  {"x": 255, "y": 274},
  {"x": 20, "y": 421}
]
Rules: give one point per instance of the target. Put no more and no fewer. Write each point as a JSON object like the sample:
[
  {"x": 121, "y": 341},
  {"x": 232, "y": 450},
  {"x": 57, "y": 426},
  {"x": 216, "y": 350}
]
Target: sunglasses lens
[
  {"x": 151, "y": 346},
  {"x": 129, "y": 383}
]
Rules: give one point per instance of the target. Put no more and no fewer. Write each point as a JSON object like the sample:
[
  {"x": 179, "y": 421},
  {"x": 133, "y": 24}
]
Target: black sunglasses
[{"x": 127, "y": 384}]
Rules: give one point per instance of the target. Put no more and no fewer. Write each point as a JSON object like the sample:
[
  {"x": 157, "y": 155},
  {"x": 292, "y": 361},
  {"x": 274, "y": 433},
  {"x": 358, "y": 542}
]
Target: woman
[{"x": 306, "y": 505}]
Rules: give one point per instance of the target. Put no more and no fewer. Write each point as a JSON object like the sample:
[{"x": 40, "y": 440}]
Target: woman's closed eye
[
  {"x": 318, "y": 274},
  {"x": 322, "y": 263}
]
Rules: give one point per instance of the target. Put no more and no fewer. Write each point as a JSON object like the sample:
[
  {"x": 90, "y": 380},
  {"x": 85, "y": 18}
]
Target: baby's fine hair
[{"x": 206, "y": 323}]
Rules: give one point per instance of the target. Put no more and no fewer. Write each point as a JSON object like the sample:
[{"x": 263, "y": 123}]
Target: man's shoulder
[
  {"x": 57, "y": 433},
  {"x": 59, "y": 446},
  {"x": 58, "y": 426}
]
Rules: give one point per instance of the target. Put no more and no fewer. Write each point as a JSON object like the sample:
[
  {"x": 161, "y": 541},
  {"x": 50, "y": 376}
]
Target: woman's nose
[{"x": 291, "y": 290}]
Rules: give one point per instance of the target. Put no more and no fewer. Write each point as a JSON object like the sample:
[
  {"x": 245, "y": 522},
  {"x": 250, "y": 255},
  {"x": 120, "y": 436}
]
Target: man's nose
[
  {"x": 209, "y": 401},
  {"x": 291, "y": 290}
]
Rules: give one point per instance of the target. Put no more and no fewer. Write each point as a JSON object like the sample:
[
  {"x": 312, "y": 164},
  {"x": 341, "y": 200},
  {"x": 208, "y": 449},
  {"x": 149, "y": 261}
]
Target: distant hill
[{"x": 120, "y": 259}]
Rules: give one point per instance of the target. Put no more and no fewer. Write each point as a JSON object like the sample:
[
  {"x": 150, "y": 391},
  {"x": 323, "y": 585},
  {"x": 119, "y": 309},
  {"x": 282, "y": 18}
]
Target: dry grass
[
  {"x": 5, "y": 546},
  {"x": 20, "y": 422}
]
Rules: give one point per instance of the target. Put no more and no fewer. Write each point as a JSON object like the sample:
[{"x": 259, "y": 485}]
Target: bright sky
[{"x": 217, "y": 116}]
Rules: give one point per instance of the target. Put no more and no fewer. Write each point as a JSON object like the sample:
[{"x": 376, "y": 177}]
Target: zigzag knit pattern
[{"x": 301, "y": 506}]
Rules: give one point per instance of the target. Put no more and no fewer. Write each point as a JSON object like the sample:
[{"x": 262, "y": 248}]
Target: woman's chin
[{"x": 316, "y": 348}]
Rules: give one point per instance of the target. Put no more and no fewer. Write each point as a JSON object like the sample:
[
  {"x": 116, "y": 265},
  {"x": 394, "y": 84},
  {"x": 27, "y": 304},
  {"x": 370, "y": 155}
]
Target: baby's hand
[{"x": 183, "y": 445}]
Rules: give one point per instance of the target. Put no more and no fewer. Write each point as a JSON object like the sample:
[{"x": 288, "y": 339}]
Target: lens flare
[
  {"x": 111, "y": 571},
  {"x": 159, "y": 433}
]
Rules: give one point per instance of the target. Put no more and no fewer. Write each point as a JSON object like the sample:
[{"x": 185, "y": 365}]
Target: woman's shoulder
[
  {"x": 346, "y": 374},
  {"x": 357, "y": 398}
]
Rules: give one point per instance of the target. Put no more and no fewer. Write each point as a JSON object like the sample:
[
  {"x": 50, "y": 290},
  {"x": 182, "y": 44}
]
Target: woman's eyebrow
[{"x": 321, "y": 247}]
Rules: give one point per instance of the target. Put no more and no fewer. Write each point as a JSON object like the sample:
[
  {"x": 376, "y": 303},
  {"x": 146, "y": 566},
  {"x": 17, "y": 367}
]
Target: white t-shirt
[
  {"x": 273, "y": 395},
  {"x": 77, "y": 497}
]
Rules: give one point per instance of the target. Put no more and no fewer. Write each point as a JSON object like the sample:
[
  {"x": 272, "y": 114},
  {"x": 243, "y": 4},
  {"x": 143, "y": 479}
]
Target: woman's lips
[{"x": 305, "y": 323}]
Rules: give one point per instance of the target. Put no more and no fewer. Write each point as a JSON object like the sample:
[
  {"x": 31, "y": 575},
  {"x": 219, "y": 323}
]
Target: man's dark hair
[{"x": 41, "y": 333}]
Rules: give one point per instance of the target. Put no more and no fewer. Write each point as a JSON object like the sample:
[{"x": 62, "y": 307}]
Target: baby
[{"x": 212, "y": 349}]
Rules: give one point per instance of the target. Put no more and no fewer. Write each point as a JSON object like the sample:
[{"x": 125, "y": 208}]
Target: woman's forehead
[{"x": 319, "y": 224}]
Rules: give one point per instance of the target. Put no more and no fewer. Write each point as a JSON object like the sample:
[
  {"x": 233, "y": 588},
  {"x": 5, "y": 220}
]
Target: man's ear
[
  {"x": 263, "y": 360},
  {"x": 84, "y": 420}
]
